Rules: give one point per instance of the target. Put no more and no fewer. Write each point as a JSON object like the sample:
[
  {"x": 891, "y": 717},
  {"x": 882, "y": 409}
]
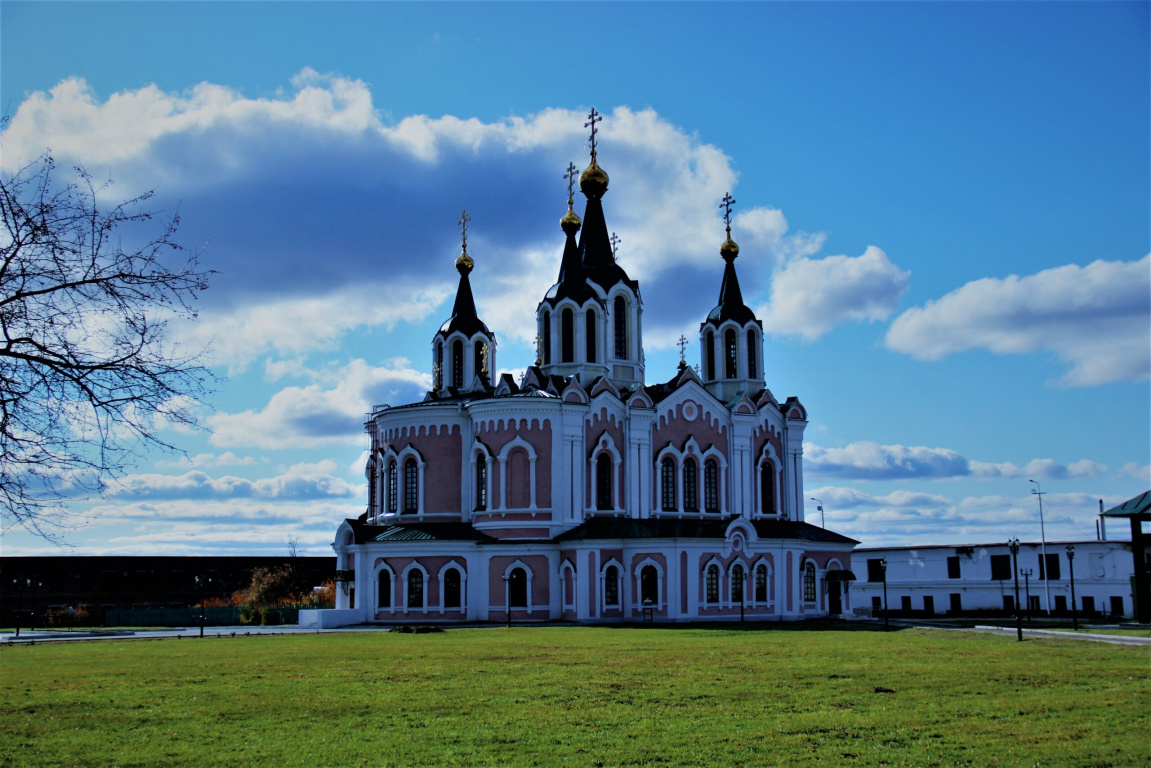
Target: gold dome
[
  {"x": 570, "y": 221},
  {"x": 593, "y": 181},
  {"x": 729, "y": 250},
  {"x": 464, "y": 263}
]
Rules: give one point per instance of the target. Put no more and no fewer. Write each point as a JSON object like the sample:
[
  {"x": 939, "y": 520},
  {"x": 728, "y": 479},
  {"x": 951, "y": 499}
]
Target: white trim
[
  {"x": 375, "y": 588},
  {"x": 450, "y": 565},
  {"x": 619, "y": 593},
  {"x": 517, "y": 563},
  {"x": 604, "y": 444},
  {"x": 414, "y": 566},
  {"x": 660, "y": 584},
  {"x": 511, "y": 445}
]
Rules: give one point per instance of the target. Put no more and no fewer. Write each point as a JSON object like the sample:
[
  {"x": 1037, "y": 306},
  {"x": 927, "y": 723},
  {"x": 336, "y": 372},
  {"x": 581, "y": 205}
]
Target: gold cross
[
  {"x": 728, "y": 201},
  {"x": 593, "y": 117},
  {"x": 484, "y": 354},
  {"x": 463, "y": 222},
  {"x": 571, "y": 174}
]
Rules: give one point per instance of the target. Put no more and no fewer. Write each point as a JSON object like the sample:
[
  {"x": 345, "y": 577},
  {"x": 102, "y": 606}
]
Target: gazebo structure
[{"x": 1138, "y": 510}]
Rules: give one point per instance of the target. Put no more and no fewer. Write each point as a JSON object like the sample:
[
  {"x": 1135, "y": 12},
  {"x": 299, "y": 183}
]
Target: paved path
[
  {"x": 1098, "y": 637},
  {"x": 64, "y": 636}
]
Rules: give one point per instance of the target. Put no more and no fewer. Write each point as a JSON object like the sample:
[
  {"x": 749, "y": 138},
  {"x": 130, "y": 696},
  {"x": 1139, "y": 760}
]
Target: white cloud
[
  {"x": 810, "y": 296},
  {"x": 866, "y": 460},
  {"x": 300, "y": 481},
  {"x": 1096, "y": 319},
  {"x": 226, "y": 459},
  {"x": 311, "y": 416}
]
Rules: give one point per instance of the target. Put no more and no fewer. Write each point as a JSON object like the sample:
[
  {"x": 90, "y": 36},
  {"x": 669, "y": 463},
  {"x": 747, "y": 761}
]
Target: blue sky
[{"x": 943, "y": 213}]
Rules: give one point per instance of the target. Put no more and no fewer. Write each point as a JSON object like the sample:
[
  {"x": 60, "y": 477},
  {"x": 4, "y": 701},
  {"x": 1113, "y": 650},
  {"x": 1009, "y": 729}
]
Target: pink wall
[
  {"x": 540, "y": 583},
  {"x": 496, "y": 433},
  {"x": 598, "y": 423},
  {"x": 442, "y": 449}
]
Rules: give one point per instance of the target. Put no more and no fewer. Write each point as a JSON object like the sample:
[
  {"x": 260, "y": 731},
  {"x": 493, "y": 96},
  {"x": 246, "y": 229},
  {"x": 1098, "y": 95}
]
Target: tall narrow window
[
  {"x": 737, "y": 583},
  {"x": 393, "y": 494},
  {"x": 611, "y": 587},
  {"x": 713, "y": 584},
  {"x": 384, "y": 590},
  {"x": 452, "y": 588},
  {"x": 590, "y": 334},
  {"x": 478, "y": 357},
  {"x": 411, "y": 487},
  {"x": 620, "y": 319},
  {"x": 752, "y": 357},
  {"x": 457, "y": 363},
  {"x": 603, "y": 482},
  {"x": 767, "y": 488},
  {"x": 809, "y": 582},
  {"x": 518, "y": 588},
  {"x": 567, "y": 336},
  {"x": 667, "y": 484},
  {"x": 709, "y": 357},
  {"x": 481, "y": 482},
  {"x": 690, "y": 486},
  {"x": 438, "y": 378},
  {"x": 415, "y": 589},
  {"x": 372, "y": 485},
  {"x": 711, "y": 486},
  {"x": 761, "y": 583},
  {"x": 729, "y": 353},
  {"x": 547, "y": 338},
  {"x": 649, "y": 585}
]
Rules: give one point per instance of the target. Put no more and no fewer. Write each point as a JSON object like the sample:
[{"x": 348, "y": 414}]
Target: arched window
[
  {"x": 620, "y": 320},
  {"x": 711, "y": 486},
  {"x": 384, "y": 589},
  {"x": 603, "y": 482},
  {"x": 547, "y": 338},
  {"x": 809, "y": 582},
  {"x": 518, "y": 588},
  {"x": 667, "y": 484},
  {"x": 713, "y": 584},
  {"x": 452, "y": 588},
  {"x": 438, "y": 382},
  {"x": 481, "y": 482},
  {"x": 590, "y": 333},
  {"x": 649, "y": 585},
  {"x": 415, "y": 588},
  {"x": 761, "y": 583},
  {"x": 730, "y": 352},
  {"x": 478, "y": 357},
  {"x": 411, "y": 486},
  {"x": 709, "y": 357},
  {"x": 690, "y": 486},
  {"x": 611, "y": 586},
  {"x": 393, "y": 495},
  {"x": 457, "y": 363},
  {"x": 737, "y": 583},
  {"x": 567, "y": 336},
  {"x": 752, "y": 357},
  {"x": 517, "y": 478},
  {"x": 767, "y": 488}
]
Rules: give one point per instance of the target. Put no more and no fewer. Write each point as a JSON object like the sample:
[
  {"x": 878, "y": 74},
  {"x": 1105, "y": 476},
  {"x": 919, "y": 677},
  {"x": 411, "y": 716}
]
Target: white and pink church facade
[{"x": 581, "y": 493}]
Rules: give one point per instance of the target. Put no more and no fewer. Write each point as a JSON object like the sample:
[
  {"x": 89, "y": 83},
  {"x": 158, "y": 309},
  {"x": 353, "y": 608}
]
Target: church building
[{"x": 581, "y": 492}]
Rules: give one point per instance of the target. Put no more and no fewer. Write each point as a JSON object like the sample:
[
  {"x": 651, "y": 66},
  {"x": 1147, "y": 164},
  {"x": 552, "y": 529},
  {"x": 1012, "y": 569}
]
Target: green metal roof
[{"x": 1134, "y": 507}]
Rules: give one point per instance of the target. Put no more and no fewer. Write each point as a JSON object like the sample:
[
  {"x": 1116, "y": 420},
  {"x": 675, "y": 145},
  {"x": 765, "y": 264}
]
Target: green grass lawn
[{"x": 577, "y": 696}]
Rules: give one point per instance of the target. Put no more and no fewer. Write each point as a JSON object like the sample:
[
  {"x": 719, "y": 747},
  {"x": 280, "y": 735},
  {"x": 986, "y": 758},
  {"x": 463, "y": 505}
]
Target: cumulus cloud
[
  {"x": 300, "y": 481},
  {"x": 1096, "y": 319},
  {"x": 811, "y": 296},
  {"x": 225, "y": 459},
  {"x": 324, "y": 413},
  {"x": 866, "y": 460},
  {"x": 907, "y": 518},
  {"x": 322, "y": 216}
]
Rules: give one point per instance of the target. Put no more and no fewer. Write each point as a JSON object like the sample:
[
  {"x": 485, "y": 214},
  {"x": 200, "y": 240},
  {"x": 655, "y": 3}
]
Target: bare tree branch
[{"x": 89, "y": 376}]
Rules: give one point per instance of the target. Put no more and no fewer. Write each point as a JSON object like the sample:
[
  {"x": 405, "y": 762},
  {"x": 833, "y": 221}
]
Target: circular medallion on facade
[
  {"x": 737, "y": 543},
  {"x": 689, "y": 411}
]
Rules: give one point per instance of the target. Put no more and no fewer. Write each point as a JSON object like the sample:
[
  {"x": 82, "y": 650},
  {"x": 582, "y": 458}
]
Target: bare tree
[{"x": 89, "y": 376}]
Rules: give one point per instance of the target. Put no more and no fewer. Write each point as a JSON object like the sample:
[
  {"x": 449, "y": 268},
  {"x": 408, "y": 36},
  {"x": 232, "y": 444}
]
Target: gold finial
[
  {"x": 484, "y": 350},
  {"x": 682, "y": 344},
  {"x": 615, "y": 241},
  {"x": 570, "y": 220},
  {"x": 437, "y": 377},
  {"x": 464, "y": 262},
  {"x": 593, "y": 181},
  {"x": 729, "y": 250},
  {"x": 539, "y": 346}
]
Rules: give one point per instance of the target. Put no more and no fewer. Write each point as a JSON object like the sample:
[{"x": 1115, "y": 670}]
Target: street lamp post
[
  {"x": 883, "y": 570},
  {"x": 202, "y": 582},
  {"x": 508, "y": 600},
  {"x": 1043, "y": 548},
  {"x": 819, "y": 506},
  {"x": 1071, "y": 567},
  {"x": 1013, "y": 545},
  {"x": 1027, "y": 586}
]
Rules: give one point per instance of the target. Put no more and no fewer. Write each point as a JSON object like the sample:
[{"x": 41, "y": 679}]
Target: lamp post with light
[
  {"x": 1013, "y": 546},
  {"x": 1037, "y": 492},
  {"x": 819, "y": 506},
  {"x": 883, "y": 570}
]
